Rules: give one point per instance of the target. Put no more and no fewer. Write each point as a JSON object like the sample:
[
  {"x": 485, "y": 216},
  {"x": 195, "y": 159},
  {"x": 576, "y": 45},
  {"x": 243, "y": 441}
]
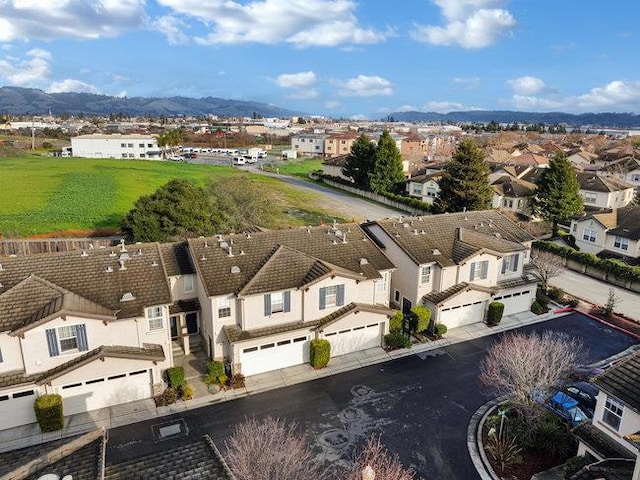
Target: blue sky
[{"x": 344, "y": 58}]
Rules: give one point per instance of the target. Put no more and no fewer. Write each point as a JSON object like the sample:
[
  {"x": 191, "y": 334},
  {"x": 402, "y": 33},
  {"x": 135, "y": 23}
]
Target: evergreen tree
[
  {"x": 360, "y": 161},
  {"x": 387, "y": 171},
  {"x": 557, "y": 196},
  {"x": 465, "y": 181}
]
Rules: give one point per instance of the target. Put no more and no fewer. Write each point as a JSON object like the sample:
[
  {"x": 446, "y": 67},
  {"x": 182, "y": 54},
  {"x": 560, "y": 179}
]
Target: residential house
[
  {"x": 512, "y": 193},
  {"x": 458, "y": 263},
  {"x": 266, "y": 295},
  {"x": 615, "y": 429},
  {"x": 531, "y": 159},
  {"x": 425, "y": 187},
  {"x": 613, "y": 233},
  {"x": 308, "y": 144},
  {"x": 339, "y": 144},
  {"x": 580, "y": 159},
  {"x": 333, "y": 166},
  {"x": 604, "y": 192},
  {"x": 116, "y": 146},
  {"x": 626, "y": 169},
  {"x": 90, "y": 325}
]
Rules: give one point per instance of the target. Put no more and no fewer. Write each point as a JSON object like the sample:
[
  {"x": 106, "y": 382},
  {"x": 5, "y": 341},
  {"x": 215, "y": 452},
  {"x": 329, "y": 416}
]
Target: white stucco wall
[{"x": 11, "y": 353}]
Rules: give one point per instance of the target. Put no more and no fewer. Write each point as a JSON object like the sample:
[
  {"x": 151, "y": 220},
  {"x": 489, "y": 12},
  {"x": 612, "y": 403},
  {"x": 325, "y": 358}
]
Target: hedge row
[{"x": 610, "y": 266}]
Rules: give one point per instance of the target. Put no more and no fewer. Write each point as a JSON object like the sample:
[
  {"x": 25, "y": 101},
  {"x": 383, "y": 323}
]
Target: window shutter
[
  {"x": 287, "y": 301},
  {"x": 340, "y": 295},
  {"x": 52, "y": 342},
  {"x": 81, "y": 332},
  {"x": 485, "y": 268},
  {"x": 267, "y": 305},
  {"x": 323, "y": 299},
  {"x": 473, "y": 271}
]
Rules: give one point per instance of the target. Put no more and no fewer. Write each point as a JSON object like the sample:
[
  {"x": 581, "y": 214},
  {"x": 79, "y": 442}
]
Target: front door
[
  {"x": 174, "y": 322},
  {"x": 192, "y": 323},
  {"x": 406, "y": 306}
]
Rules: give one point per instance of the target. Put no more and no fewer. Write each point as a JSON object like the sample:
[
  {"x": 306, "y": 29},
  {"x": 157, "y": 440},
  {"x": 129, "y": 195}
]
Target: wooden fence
[{"x": 45, "y": 245}]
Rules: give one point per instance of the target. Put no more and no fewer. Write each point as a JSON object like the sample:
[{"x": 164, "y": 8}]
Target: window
[
  {"x": 131, "y": 155},
  {"x": 510, "y": 263},
  {"x": 123, "y": 145},
  {"x": 396, "y": 296},
  {"x": 154, "y": 316},
  {"x": 277, "y": 302},
  {"x": 124, "y": 155},
  {"x": 612, "y": 414},
  {"x": 224, "y": 307},
  {"x": 141, "y": 145},
  {"x": 149, "y": 145},
  {"x": 425, "y": 274},
  {"x": 417, "y": 189},
  {"x": 590, "y": 235},
  {"x": 68, "y": 338},
  {"x": 621, "y": 243},
  {"x": 574, "y": 227},
  {"x": 590, "y": 197},
  {"x": 187, "y": 285},
  {"x": 507, "y": 203},
  {"x": 332, "y": 296},
  {"x": 130, "y": 145},
  {"x": 381, "y": 285},
  {"x": 479, "y": 270},
  {"x": 635, "y": 177},
  {"x": 142, "y": 155}
]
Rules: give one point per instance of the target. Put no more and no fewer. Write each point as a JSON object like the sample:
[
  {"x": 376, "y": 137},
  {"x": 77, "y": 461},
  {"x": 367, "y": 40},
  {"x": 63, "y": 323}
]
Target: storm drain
[{"x": 170, "y": 430}]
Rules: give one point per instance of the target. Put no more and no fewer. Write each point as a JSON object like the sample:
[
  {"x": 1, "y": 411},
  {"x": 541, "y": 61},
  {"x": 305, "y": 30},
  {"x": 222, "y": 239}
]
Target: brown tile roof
[
  {"x": 199, "y": 460},
  {"x": 513, "y": 187},
  {"x": 352, "y": 308},
  {"x": 80, "y": 457},
  {"x": 595, "y": 183},
  {"x": 95, "y": 275},
  {"x": 628, "y": 224},
  {"x": 176, "y": 258},
  {"x": 192, "y": 305},
  {"x": 17, "y": 377},
  {"x": 299, "y": 256},
  {"x": 599, "y": 441},
  {"x": 432, "y": 238},
  {"x": 337, "y": 161},
  {"x": 623, "y": 381},
  {"x": 437, "y": 298}
]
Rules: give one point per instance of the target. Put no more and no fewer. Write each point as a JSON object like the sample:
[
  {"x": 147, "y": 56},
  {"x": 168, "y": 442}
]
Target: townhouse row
[{"x": 100, "y": 326}]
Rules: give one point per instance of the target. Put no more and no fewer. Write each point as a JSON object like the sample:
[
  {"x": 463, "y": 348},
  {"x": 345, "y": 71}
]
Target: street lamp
[{"x": 368, "y": 473}]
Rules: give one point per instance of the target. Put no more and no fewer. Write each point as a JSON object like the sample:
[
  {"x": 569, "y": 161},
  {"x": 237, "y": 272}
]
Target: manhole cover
[
  {"x": 361, "y": 391},
  {"x": 350, "y": 414},
  {"x": 335, "y": 438}
]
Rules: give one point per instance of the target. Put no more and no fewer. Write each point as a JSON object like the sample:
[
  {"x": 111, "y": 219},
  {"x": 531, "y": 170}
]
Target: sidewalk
[{"x": 111, "y": 417}]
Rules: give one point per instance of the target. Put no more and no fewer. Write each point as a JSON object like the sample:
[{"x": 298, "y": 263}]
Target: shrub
[
  {"x": 542, "y": 298},
  {"x": 47, "y": 145},
  {"x": 175, "y": 377},
  {"x": 420, "y": 317},
  {"x": 320, "y": 352},
  {"x": 237, "y": 380},
  {"x": 574, "y": 465},
  {"x": 186, "y": 392},
  {"x": 573, "y": 302},
  {"x": 222, "y": 380},
  {"x": 556, "y": 294},
  {"x": 440, "y": 329},
  {"x": 395, "y": 322},
  {"x": 168, "y": 397},
  {"x": 215, "y": 368},
  {"x": 494, "y": 314},
  {"x": 537, "y": 308},
  {"x": 505, "y": 451},
  {"x": 48, "y": 409},
  {"x": 397, "y": 340}
]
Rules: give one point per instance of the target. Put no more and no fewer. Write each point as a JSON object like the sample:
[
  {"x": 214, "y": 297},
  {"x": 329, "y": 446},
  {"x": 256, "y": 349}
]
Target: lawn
[
  {"x": 296, "y": 168},
  {"x": 40, "y": 195}
]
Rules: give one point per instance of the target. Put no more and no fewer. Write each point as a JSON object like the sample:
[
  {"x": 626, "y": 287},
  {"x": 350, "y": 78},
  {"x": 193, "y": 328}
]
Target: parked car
[
  {"x": 567, "y": 408},
  {"x": 585, "y": 394}
]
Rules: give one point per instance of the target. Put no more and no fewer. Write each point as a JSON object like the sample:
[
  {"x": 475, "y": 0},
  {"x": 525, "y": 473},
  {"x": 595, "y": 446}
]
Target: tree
[
  {"x": 420, "y": 318},
  {"x": 387, "y": 171},
  {"x": 464, "y": 184},
  {"x": 269, "y": 449},
  {"x": 612, "y": 301},
  {"x": 557, "y": 195},
  {"x": 360, "y": 161},
  {"x": 239, "y": 203},
  {"x": 178, "y": 209},
  {"x": 523, "y": 365},
  {"x": 170, "y": 138},
  {"x": 546, "y": 266},
  {"x": 375, "y": 456}
]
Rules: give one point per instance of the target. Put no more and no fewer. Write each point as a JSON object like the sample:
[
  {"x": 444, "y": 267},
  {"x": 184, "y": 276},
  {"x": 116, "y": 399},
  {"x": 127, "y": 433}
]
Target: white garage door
[
  {"x": 516, "y": 302},
  {"x": 105, "y": 392},
  {"x": 274, "y": 355},
  {"x": 462, "y": 315},
  {"x": 17, "y": 408},
  {"x": 352, "y": 340}
]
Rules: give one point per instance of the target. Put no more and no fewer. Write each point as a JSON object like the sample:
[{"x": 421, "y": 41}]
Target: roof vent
[
  {"x": 203, "y": 257},
  {"x": 109, "y": 269},
  {"x": 335, "y": 224},
  {"x": 364, "y": 261},
  {"x": 91, "y": 246},
  {"x": 334, "y": 242},
  {"x": 248, "y": 236},
  {"x": 435, "y": 251},
  {"x": 230, "y": 254},
  {"x": 491, "y": 223},
  {"x": 235, "y": 269},
  {"x": 422, "y": 232},
  {"x": 1, "y": 269},
  {"x": 121, "y": 262},
  {"x": 1, "y": 285},
  {"x": 127, "y": 297},
  {"x": 102, "y": 246},
  {"x": 112, "y": 254},
  {"x": 241, "y": 252},
  {"x": 138, "y": 243},
  {"x": 124, "y": 257},
  {"x": 339, "y": 233},
  {"x": 139, "y": 251},
  {"x": 406, "y": 225},
  {"x": 308, "y": 230},
  {"x": 416, "y": 232},
  {"x": 122, "y": 247},
  {"x": 344, "y": 238},
  {"x": 224, "y": 245},
  {"x": 497, "y": 234},
  {"x": 154, "y": 264}
]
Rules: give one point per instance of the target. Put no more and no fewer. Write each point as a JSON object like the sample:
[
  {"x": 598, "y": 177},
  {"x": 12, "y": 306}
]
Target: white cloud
[
  {"x": 296, "y": 80},
  {"x": 468, "y": 24},
  {"x": 72, "y": 85},
  {"x": 332, "y": 104},
  {"x": 528, "y": 86},
  {"x": 305, "y": 94},
  {"x": 364, "y": 86},
  {"x": 443, "y": 107},
  {"x": 28, "y": 19},
  {"x": 302, "y": 23},
  {"x": 359, "y": 117},
  {"x": 172, "y": 28},
  {"x": 468, "y": 83},
  {"x": 32, "y": 71}
]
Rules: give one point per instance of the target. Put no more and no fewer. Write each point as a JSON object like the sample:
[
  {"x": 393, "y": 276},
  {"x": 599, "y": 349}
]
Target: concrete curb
[{"x": 474, "y": 440}]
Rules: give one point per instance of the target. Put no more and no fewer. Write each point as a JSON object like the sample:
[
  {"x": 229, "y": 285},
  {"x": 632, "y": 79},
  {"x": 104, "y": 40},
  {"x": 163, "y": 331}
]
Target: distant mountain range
[
  {"x": 24, "y": 101},
  {"x": 596, "y": 120}
]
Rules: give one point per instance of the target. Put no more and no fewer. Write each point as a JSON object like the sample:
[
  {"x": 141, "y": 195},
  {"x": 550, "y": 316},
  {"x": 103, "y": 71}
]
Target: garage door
[
  {"x": 352, "y": 340},
  {"x": 516, "y": 302},
  {"x": 462, "y": 314},
  {"x": 17, "y": 408},
  {"x": 105, "y": 392},
  {"x": 274, "y": 355}
]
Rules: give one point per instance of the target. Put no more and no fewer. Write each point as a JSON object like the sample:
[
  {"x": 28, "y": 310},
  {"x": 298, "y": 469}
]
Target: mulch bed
[{"x": 618, "y": 320}]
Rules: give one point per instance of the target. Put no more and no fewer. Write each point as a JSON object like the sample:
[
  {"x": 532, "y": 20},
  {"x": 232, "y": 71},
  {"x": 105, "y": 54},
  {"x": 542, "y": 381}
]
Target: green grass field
[
  {"x": 40, "y": 195},
  {"x": 296, "y": 168}
]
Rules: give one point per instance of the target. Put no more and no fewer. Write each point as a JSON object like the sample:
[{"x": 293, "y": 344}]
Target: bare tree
[
  {"x": 521, "y": 366},
  {"x": 377, "y": 459},
  {"x": 547, "y": 266},
  {"x": 270, "y": 450},
  {"x": 613, "y": 300}
]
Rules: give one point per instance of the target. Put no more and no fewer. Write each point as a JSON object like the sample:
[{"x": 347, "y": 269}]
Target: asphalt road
[{"x": 420, "y": 405}]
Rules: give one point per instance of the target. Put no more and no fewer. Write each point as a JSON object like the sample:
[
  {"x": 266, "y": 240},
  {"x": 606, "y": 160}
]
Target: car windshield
[{"x": 577, "y": 415}]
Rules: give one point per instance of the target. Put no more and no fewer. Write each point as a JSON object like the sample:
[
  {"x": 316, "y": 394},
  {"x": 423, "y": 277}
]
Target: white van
[{"x": 239, "y": 160}]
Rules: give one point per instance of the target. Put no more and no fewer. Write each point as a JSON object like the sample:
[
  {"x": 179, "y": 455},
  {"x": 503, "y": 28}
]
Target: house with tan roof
[
  {"x": 425, "y": 187},
  {"x": 458, "y": 263},
  {"x": 513, "y": 194},
  {"x": 600, "y": 192},
  {"x": 626, "y": 169}
]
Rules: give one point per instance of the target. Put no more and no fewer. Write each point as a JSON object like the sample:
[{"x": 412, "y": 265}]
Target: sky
[{"x": 342, "y": 58}]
